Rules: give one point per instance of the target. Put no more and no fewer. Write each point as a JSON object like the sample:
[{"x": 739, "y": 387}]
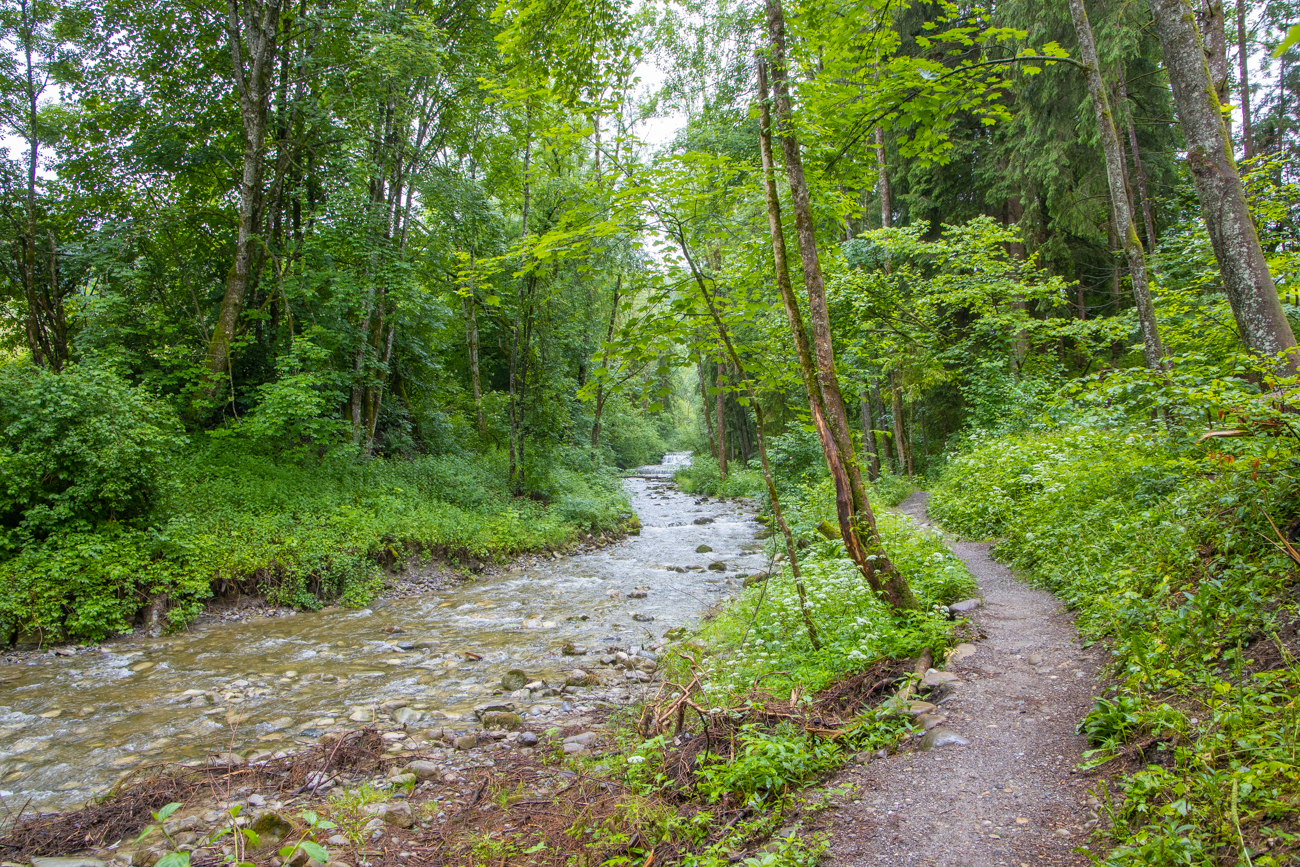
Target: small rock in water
[
  {"x": 636, "y": 594},
  {"x": 643, "y": 618},
  {"x": 405, "y": 715},
  {"x": 578, "y": 677},
  {"x": 756, "y": 578},
  {"x": 573, "y": 650},
  {"x": 702, "y": 521},
  {"x": 717, "y": 566},
  {"x": 361, "y": 715},
  {"x": 703, "y": 549},
  {"x": 513, "y": 680},
  {"x": 942, "y": 737}
]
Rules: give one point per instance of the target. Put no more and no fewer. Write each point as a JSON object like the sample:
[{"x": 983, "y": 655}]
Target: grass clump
[
  {"x": 1175, "y": 553},
  {"x": 702, "y": 476}
]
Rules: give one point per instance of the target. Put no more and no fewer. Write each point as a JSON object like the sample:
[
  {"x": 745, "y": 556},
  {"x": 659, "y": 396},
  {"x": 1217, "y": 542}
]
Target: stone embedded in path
[
  {"x": 67, "y": 862},
  {"x": 942, "y": 737},
  {"x": 919, "y": 707},
  {"x": 934, "y": 677},
  {"x": 961, "y": 651},
  {"x": 965, "y": 605}
]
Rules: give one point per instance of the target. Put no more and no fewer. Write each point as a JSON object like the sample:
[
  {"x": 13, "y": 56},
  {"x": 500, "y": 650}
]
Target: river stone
[
  {"x": 527, "y": 739},
  {"x": 404, "y": 715},
  {"x": 578, "y": 677},
  {"x": 513, "y": 680},
  {"x": 397, "y": 815},
  {"x": 424, "y": 770},
  {"x": 703, "y": 549},
  {"x": 502, "y": 720},
  {"x": 573, "y": 650},
  {"x": 756, "y": 578},
  {"x": 930, "y": 720},
  {"x": 643, "y": 618},
  {"x": 271, "y": 826},
  {"x": 920, "y": 707},
  {"x": 942, "y": 737},
  {"x": 675, "y": 633},
  {"x": 717, "y": 566},
  {"x": 361, "y": 715},
  {"x": 67, "y": 862},
  {"x": 586, "y": 739},
  {"x": 702, "y": 521},
  {"x": 465, "y": 742},
  {"x": 494, "y": 706}
]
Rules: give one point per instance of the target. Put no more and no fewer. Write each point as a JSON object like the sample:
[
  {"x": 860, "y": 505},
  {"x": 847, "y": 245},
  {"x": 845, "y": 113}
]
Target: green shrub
[
  {"x": 78, "y": 449},
  {"x": 702, "y": 476}
]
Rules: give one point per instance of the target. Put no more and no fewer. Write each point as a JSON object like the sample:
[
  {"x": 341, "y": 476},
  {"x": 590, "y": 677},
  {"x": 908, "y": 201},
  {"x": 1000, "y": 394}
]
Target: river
[{"x": 72, "y": 726}]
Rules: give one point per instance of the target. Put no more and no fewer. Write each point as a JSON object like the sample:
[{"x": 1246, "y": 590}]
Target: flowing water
[{"x": 71, "y": 726}]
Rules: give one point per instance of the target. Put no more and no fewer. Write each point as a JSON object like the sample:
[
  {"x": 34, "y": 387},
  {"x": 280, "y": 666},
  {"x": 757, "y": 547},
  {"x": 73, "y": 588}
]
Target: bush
[
  {"x": 78, "y": 449},
  {"x": 702, "y": 476}
]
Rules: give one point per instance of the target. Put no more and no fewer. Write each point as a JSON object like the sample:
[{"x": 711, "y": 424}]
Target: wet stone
[
  {"x": 502, "y": 720},
  {"x": 702, "y": 521},
  {"x": 703, "y": 549},
  {"x": 717, "y": 566},
  {"x": 643, "y": 618},
  {"x": 513, "y": 680}
]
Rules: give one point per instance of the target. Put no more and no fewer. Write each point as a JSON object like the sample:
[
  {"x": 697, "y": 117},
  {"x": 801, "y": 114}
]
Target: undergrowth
[
  {"x": 1174, "y": 553},
  {"x": 298, "y": 533}
]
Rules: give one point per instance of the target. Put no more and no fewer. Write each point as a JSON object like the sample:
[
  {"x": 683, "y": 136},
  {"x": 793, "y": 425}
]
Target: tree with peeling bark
[
  {"x": 1247, "y": 282},
  {"x": 1121, "y": 207}
]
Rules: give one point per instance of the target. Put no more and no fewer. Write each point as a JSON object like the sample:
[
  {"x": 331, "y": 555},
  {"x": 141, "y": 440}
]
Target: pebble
[{"x": 934, "y": 677}]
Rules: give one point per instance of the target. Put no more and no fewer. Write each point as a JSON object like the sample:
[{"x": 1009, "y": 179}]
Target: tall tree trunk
[
  {"x": 1138, "y": 171},
  {"x": 1121, "y": 211},
  {"x": 896, "y": 394},
  {"x": 601, "y": 395},
  {"x": 252, "y": 33},
  {"x": 894, "y": 589},
  {"x": 1246, "y": 279},
  {"x": 882, "y": 182},
  {"x": 708, "y": 409},
  {"x": 1243, "y": 64},
  {"x": 469, "y": 305},
  {"x": 722, "y": 421},
  {"x": 862, "y": 534},
  {"x": 869, "y": 451},
  {"x": 1214, "y": 38},
  {"x": 523, "y": 295},
  {"x": 1116, "y": 284}
]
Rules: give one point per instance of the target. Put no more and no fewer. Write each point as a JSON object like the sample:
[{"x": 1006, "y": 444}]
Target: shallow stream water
[{"x": 71, "y": 726}]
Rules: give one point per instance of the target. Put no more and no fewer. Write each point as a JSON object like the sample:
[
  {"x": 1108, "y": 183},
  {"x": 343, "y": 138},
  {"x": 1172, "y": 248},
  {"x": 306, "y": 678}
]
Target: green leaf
[
  {"x": 315, "y": 851},
  {"x": 251, "y": 836},
  {"x": 166, "y": 811},
  {"x": 1292, "y": 37},
  {"x": 175, "y": 859}
]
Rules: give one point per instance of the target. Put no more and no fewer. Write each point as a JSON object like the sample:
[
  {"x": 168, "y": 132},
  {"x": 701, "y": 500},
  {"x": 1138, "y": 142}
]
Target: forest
[{"x": 299, "y": 294}]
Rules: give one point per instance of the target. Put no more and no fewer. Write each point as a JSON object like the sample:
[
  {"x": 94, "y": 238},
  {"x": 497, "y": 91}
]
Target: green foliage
[
  {"x": 297, "y": 533},
  {"x": 1168, "y": 550},
  {"x": 702, "y": 476},
  {"x": 78, "y": 450},
  {"x": 766, "y": 763}
]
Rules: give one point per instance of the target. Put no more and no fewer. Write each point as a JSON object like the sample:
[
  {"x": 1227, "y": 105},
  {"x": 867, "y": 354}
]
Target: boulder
[
  {"x": 397, "y": 815},
  {"x": 271, "y": 826},
  {"x": 502, "y": 720},
  {"x": 717, "y": 566},
  {"x": 578, "y": 677},
  {"x": 424, "y": 770},
  {"x": 513, "y": 680},
  {"x": 703, "y": 549}
]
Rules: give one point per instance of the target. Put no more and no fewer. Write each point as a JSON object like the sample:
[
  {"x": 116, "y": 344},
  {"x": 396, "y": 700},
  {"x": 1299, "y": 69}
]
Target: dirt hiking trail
[{"x": 999, "y": 785}]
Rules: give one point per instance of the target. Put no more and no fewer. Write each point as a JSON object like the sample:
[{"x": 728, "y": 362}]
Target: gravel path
[{"x": 1010, "y": 796}]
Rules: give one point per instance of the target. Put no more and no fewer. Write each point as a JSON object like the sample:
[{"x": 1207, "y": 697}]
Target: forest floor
[{"x": 1005, "y": 790}]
